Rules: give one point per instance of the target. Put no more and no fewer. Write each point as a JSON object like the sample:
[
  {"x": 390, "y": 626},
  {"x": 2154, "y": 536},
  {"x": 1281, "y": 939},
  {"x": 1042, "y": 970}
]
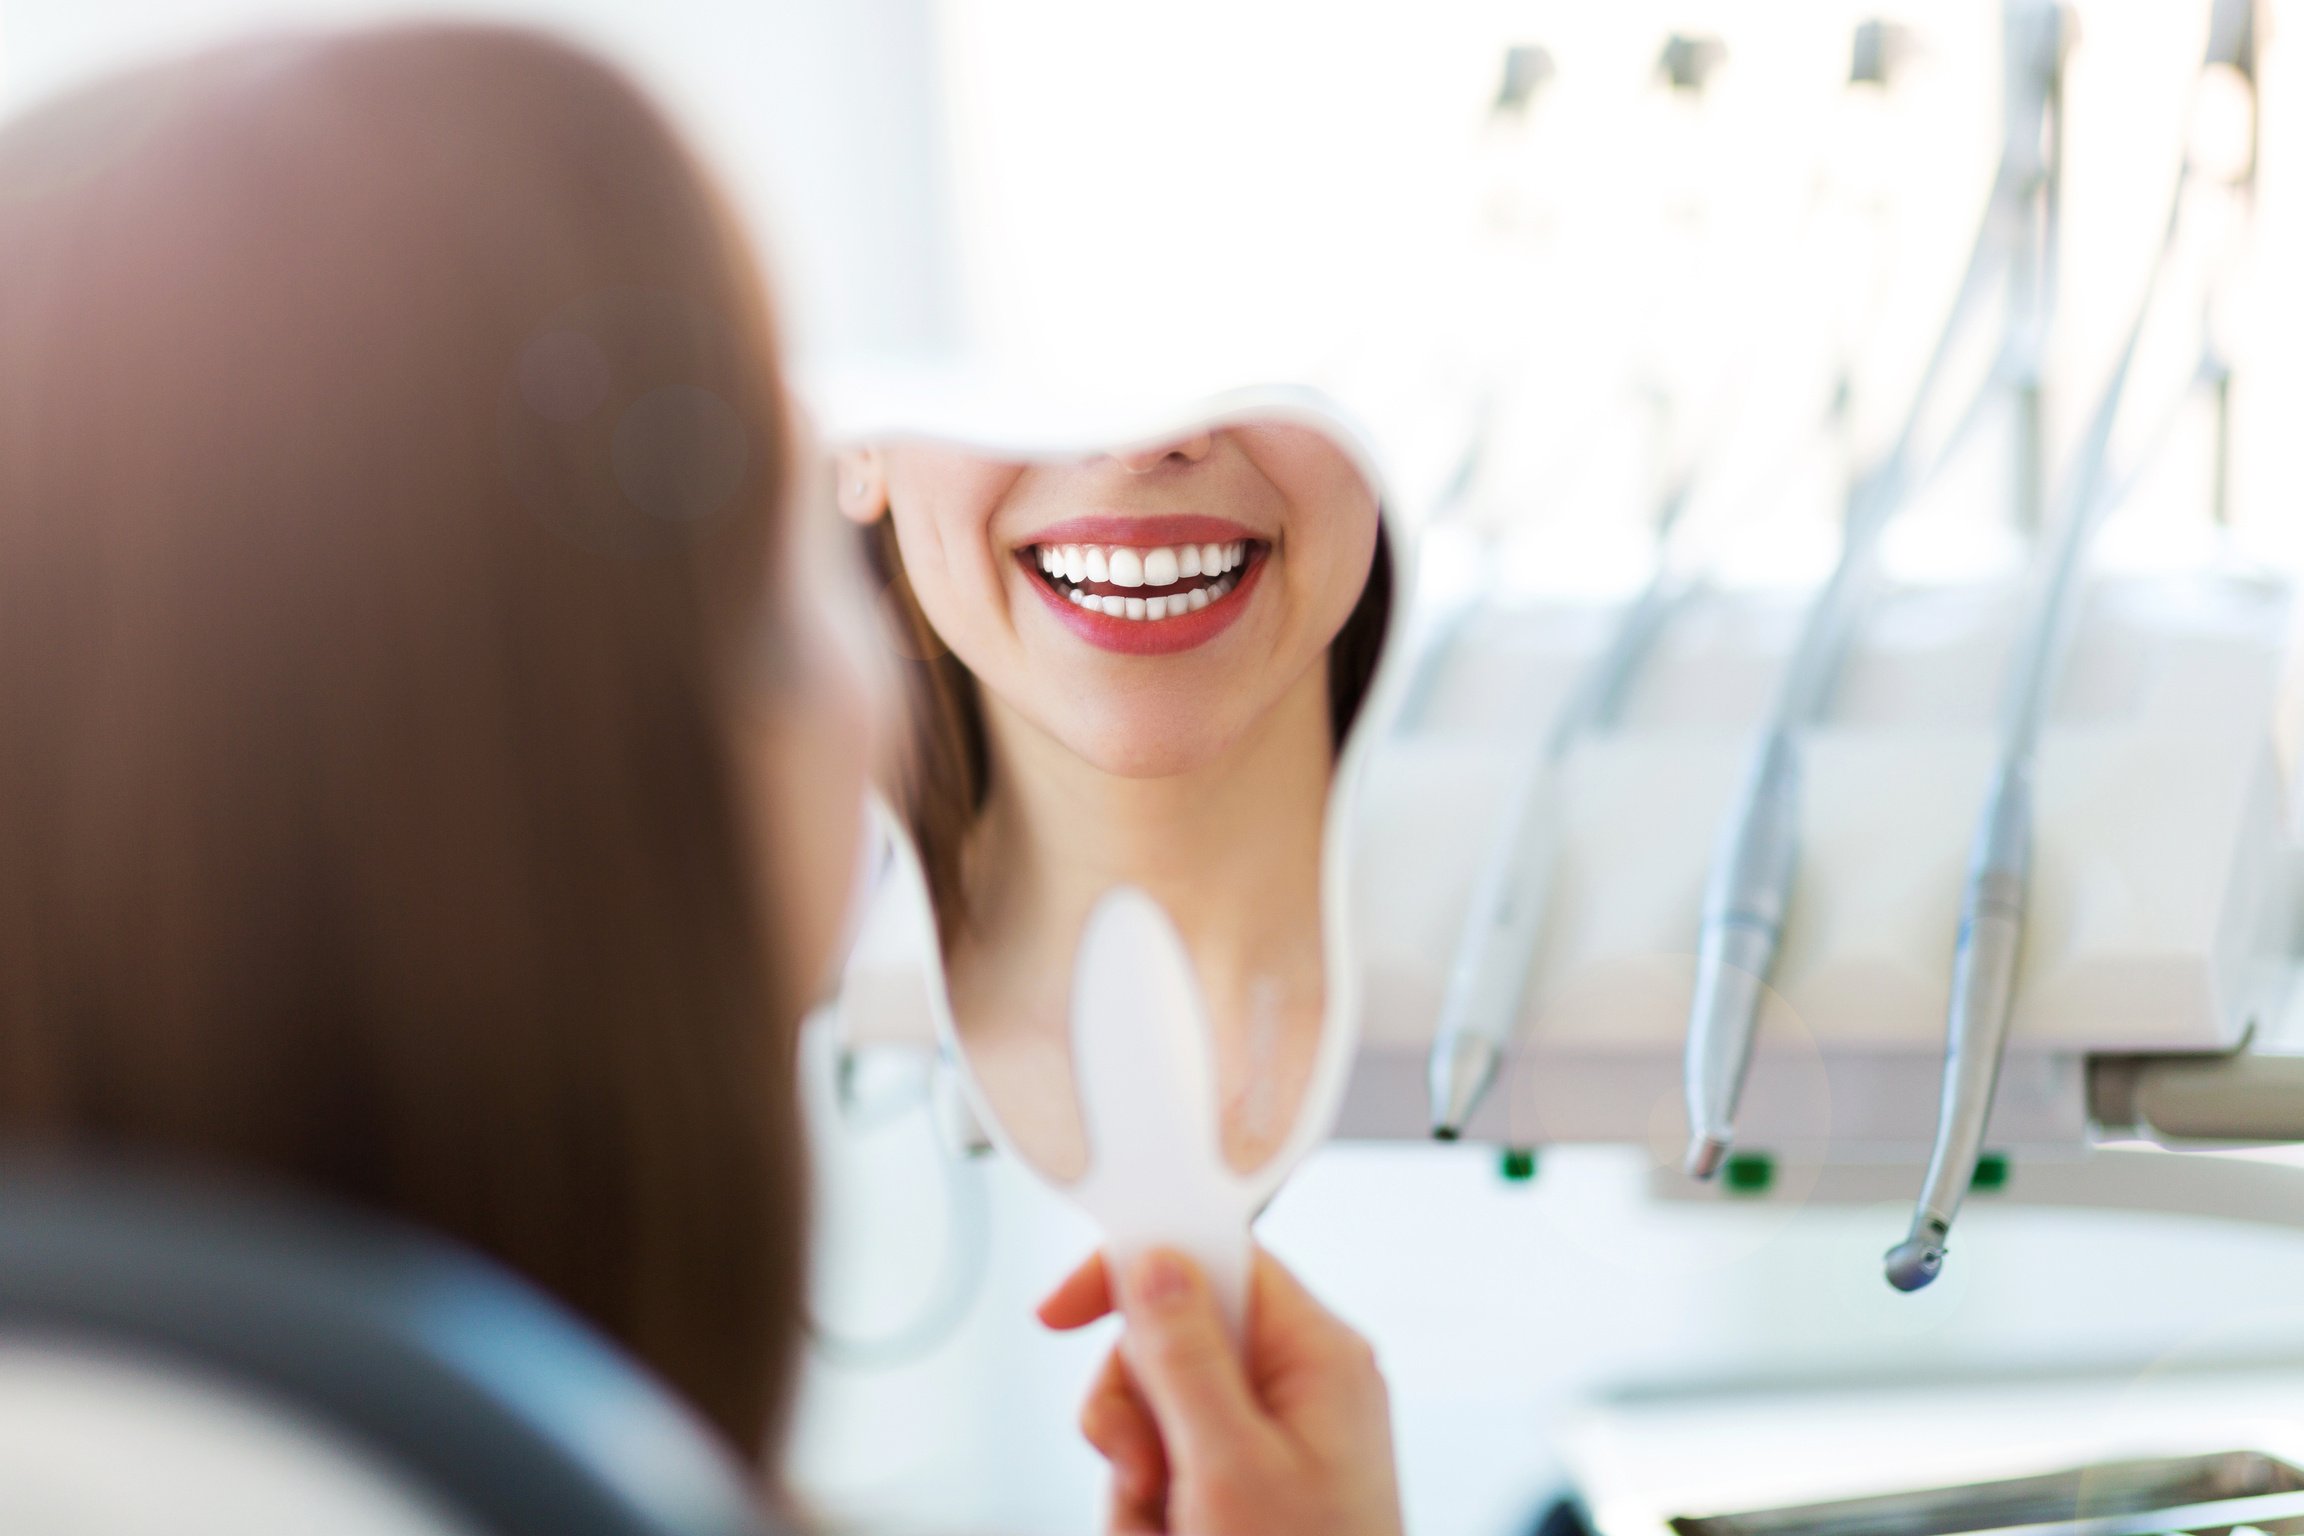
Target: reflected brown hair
[
  {"x": 943, "y": 768},
  {"x": 391, "y": 457}
]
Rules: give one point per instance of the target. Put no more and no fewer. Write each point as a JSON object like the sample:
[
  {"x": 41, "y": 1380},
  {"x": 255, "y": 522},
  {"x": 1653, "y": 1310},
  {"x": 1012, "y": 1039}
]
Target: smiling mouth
[{"x": 1126, "y": 582}]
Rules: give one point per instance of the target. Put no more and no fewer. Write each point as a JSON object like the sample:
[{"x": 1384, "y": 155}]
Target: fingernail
[{"x": 1162, "y": 1280}]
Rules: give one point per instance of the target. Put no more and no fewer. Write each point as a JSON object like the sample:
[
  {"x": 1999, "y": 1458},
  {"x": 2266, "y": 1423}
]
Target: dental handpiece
[
  {"x": 1749, "y": 890},
  {"x": 1983, "y": 993},
  {"x": 1489, "y": 975},
  {"x": 1993, "y": 905},
  {"x": 1748, "y": 893},
  {"x": 1488, "y": 979},
  {"x": 1745, "y": 901}
]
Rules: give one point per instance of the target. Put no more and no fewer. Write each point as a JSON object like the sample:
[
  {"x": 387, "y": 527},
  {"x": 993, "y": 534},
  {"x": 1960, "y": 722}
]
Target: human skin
[{"x": 1287, "y": 1432}]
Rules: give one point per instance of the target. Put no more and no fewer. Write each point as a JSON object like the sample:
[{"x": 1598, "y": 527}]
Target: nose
[{"x": 1188, "y": 450}]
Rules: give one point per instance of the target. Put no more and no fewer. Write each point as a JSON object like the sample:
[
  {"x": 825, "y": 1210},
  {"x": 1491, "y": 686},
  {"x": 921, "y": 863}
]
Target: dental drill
[
  {"x": 1992, "y": 905},
  {"x": 1496, "y": 950},
  {"x": 1489, "y": 975},
  {"x": 1495, "y": 955},
  {"x": 1748, "y": 892}
]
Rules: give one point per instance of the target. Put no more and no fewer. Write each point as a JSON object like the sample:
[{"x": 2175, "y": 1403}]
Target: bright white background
[{"x": 1278, "y": 185}]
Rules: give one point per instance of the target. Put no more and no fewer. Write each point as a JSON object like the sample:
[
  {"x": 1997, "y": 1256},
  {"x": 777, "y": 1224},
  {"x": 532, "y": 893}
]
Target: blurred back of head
[{"x": 391, "y": 460}]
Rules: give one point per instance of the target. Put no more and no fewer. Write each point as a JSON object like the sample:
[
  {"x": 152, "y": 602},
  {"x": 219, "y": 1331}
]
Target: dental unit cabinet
[{"x": 2162, "y": 909}]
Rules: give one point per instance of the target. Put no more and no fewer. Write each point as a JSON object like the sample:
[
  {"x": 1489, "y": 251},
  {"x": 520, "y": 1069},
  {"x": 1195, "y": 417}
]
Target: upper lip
[{"x": 1142, "y": 532}]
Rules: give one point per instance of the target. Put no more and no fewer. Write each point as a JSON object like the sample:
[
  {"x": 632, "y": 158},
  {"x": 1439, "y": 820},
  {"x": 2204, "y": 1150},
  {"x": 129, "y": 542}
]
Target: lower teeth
[{"x": 1173, "y": 606}]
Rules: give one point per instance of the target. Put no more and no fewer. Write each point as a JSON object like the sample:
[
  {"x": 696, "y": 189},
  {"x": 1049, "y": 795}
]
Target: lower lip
[{"x": 1150, "y": 637}]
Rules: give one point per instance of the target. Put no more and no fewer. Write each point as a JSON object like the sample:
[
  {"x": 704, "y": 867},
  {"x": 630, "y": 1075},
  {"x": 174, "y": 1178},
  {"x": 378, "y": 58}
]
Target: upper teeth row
[{"x": 1125, "y": 567}]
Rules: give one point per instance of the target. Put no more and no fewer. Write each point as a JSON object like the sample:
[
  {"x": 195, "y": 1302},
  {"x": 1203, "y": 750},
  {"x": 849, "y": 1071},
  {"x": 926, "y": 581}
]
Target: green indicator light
[
  {"x": 1519, "y": 1164},
  {"x": 1749, "y": 1173},
  {"x": 1991, "y": 1173}
]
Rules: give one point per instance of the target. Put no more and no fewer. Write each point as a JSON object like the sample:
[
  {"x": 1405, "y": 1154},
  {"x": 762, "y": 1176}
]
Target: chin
[{"x": 1146, "y": 744}]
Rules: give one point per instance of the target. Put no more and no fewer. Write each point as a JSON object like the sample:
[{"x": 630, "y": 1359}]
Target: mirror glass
[{"x": 1135, "y": 666}]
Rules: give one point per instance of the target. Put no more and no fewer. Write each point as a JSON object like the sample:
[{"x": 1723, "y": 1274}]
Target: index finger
[{"x": 1080, "y": 1298}]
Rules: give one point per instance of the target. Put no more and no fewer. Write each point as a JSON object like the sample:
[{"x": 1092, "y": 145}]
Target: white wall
[{"x": 824, "y": 119}]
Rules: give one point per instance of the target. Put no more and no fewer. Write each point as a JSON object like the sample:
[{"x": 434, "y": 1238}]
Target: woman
[
  {"x": 425, "y": 776},
  {"x": 1137, "y": 668}
]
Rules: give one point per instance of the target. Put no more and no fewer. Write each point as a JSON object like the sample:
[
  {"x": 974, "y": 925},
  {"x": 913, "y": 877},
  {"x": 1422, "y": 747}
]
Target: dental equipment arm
[
  {"x": 1489, "y": 975},
  {"x": 1744, "y": 903},
  {"x": 2034, "y": 38},
  {"x": 1992, "y": 906},
  {"x": 1983, "y": 988},
  {"x": 1749, "y": 890},
  {"x": 2244, "y": 1097},
  {"x": 1496, "y": 947}
]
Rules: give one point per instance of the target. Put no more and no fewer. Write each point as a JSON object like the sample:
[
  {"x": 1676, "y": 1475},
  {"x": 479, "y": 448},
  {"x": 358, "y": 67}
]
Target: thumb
[
  {"x": 1293, "y": 1333},
  {"x": 1185, "y": 1363}
]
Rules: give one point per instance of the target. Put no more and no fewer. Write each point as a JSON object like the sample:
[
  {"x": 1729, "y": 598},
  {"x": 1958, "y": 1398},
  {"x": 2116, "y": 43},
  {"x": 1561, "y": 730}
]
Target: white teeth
[
  {"x": 1071, "y": 565},
  {"x": 1130, "y": 566}
]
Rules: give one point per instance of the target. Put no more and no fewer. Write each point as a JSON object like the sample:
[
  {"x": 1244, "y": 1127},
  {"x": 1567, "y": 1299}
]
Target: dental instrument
[
  {"x": 1496, "y": 948},
  {"x": 1993, "y": 903},
  {"x": 1489, "y": 976},
  {"x": 1748, "y": 893},
  {"x": 1495, "y": 953}
]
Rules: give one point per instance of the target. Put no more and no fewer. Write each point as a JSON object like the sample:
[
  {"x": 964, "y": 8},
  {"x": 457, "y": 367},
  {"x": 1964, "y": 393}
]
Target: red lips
[{"x": 1148, "y": 637}]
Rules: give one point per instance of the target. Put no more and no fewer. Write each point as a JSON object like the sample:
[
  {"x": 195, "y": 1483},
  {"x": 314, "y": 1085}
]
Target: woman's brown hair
[
  {"x": 392, "y": 453},
  {"x": 943, "y": 766}
]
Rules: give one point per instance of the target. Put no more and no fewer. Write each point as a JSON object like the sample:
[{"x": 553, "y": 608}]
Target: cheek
[
  {"x": 948, "y": 565},
  {"x": 1336, "y": 570},
  {"x": 942, "y": 506}
]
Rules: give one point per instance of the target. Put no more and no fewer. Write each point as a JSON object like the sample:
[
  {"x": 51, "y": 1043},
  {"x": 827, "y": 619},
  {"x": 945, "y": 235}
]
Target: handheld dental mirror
[
  {"x": 1140, "y": 967},
  {"x": 1142, "y": 1058}
]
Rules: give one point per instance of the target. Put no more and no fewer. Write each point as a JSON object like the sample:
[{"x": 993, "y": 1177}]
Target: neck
[{"x": 1231, "y": 849}]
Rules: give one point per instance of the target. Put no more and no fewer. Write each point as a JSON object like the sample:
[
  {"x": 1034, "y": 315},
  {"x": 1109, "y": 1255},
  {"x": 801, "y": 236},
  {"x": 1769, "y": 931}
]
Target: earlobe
[{"x": 862, "y": 489}]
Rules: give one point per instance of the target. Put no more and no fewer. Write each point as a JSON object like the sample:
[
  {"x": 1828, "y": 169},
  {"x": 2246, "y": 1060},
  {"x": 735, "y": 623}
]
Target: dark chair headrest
[{"x": 445, "y": 1367}]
